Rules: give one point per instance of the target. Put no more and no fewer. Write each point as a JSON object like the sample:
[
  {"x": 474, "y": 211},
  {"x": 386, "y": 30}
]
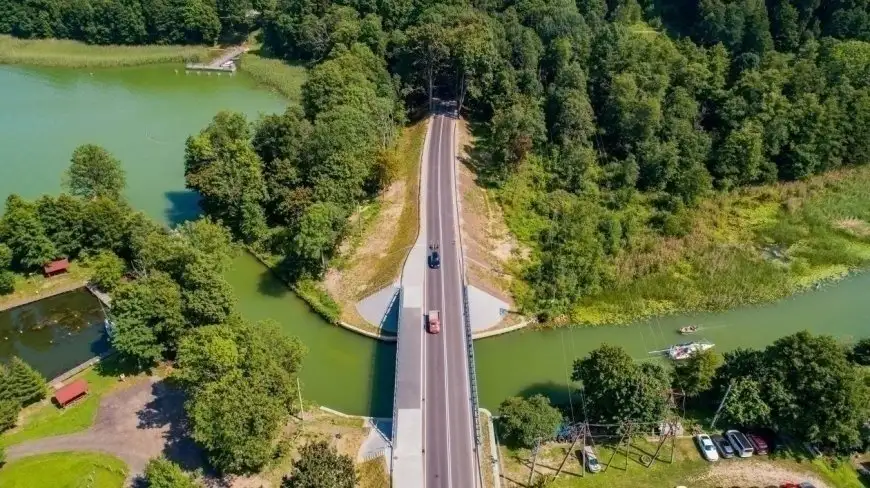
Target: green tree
[
  {"x": 163, "y": 473},
  {"x": 7, "y": 278},
  {"x": 105, "y": 224},
  {"x": 221, "y": 164},
  {"x": 745, "y": 405},
  {"x": 148, "y": 319},
  {"x": 236, "y": 421},
  {"x": 26, "y": 384},
  {"x": 207, "y": 354},
  {"x": 107, "y": 270},
  {"x": 21, "y": 230},
  {"x": 860, "y": 353},
  {"x": 318, "y": 230},
  {"x": 695, "y": 374},
  {"x": 616, "y": 388},
  {"x": 207, "y": 297},
  {"x": 62, "y": 218},
  {"x": 94, "y": 172},
  {"x": 524, "y": 421},
  {"x": 211, "y": 239},
  {"x": 9, "y": 410},
  {"x": 321, "y": 466}
]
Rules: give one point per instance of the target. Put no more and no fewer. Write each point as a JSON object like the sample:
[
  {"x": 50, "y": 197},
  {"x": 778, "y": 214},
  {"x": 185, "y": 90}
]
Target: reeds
[{"x": 73, "y": 54}]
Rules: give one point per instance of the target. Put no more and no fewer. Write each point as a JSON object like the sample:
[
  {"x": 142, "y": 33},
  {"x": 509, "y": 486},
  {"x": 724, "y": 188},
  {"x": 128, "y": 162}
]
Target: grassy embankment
[
  {"x": 753, "y": 245},
  {"x": 381, "y": 233},
  {"x": 44, "y": 419},
  {"x": 688, "y": 469},
  {"x": 65, "y": 470},
  {"x": 73, "y": 54},
  {"x": 276, "y": 74}
]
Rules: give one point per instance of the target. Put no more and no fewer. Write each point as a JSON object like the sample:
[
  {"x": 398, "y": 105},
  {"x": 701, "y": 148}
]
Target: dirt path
[
  {"x": 744, "y": 474},
  {"x": 134, "y": 424}
]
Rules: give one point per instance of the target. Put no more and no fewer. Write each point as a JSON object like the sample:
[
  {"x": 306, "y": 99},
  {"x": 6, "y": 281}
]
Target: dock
[
  {"x": 224, "y": 63},
  {"x": 103, "y": 297}
]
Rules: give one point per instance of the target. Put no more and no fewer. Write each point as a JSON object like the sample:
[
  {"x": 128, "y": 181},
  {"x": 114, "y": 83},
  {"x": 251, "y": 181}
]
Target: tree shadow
[
  {"x": 183, "y": 206},
  {"x": 560, "y": 395},
  {"x": 166, "y": 410},
  {"x": 270, "y": 284}
]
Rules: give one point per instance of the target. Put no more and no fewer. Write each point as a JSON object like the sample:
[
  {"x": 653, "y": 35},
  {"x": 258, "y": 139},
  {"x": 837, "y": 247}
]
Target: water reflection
[{"x": 54, "y": 334}]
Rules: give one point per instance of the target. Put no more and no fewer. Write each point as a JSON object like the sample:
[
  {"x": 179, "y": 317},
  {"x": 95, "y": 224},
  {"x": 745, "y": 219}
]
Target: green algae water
[{"x": 142, "y": 115}]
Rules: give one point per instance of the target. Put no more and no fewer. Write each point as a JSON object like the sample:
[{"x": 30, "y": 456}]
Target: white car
[
  {"x": 591, "y": 462},
  {"x": 705, "y": 445}
]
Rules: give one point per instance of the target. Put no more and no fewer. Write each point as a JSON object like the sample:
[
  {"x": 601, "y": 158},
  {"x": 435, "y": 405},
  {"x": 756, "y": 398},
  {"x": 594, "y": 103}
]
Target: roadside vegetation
[
  {"x": 65, "y": 470},
  {"x": 74, "y": 54}
]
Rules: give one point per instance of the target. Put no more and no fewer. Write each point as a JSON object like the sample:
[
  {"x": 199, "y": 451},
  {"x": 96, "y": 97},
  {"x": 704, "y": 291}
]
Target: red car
[
  {"x": 758, "y": 444},
  {"x": 434, "y": 322}
]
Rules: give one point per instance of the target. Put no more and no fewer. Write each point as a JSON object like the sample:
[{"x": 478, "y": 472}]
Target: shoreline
[{"x": 317, "y": 307}]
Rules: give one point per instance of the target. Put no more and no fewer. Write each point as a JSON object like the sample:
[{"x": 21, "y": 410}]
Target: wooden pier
[{"x": 224, "y": 63}]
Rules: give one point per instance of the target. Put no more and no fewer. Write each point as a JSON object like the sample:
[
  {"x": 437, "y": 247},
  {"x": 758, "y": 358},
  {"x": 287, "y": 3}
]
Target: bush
[
  {"x": 163, "y": 473},
  {"x": 7, "y": 282},
  {"x": 108, "y": 269}
]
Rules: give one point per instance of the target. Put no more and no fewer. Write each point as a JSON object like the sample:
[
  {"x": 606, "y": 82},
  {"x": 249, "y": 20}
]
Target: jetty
[
  {"x": 225, "y": 63},
  {"x": 103, "y": 297}
]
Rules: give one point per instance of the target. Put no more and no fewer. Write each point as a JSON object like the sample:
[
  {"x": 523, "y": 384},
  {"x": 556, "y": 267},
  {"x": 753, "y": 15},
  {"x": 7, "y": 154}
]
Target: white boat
[{"x": 686, "y": 349}]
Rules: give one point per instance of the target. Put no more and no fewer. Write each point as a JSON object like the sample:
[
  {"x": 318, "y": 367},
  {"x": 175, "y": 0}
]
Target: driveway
[{"x": 135, "y": 424}]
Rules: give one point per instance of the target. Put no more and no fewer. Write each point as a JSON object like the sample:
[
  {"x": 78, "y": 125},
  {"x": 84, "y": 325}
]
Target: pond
[
  {"x": 143, "y": 115},
  {"x": 55, "y": 334}
]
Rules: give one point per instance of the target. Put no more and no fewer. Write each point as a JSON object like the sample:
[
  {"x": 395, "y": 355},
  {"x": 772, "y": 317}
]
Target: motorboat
[{"x": 689, "y": 329}]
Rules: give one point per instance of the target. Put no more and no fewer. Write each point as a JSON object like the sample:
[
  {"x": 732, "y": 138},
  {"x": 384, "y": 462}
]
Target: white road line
[{"x": 424, "y": 173}]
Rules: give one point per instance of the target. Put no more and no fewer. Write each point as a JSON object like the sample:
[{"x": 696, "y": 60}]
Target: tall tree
[
  {"x": 27, "y": 385},
  {"x": 695, "y": 374},
  {"x": 21, "y": 230},
  {"x": 94, "y": 172},
  {"x": 148, "y": 318}
]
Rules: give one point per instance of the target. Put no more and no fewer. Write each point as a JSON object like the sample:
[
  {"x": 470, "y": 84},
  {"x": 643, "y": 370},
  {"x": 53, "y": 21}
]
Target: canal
[{"x": 143, "y": 115}]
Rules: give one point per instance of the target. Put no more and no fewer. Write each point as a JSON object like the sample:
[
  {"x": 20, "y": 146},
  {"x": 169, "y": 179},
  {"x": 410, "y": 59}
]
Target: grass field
[
  {"x": 65, "y": 470},
  {"x": 45, "y": 420},
  {"x": 276, "y": 74},
  {"x": 754, "y": 245},
  {"x": 73, "y": 54}
]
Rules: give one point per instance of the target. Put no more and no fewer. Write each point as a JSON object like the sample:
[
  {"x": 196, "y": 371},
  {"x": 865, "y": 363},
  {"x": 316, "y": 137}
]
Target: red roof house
[
  {"x": 71, "y": 392},
  {"x": 56, "y": 267}
]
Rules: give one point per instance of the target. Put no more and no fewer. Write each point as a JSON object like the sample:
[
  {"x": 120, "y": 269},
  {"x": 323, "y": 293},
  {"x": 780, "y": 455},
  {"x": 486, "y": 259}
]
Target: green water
[
  {"x": 142, "y": 115},
  {"x": 343, "y": 370},
  {"x": 530, "y": 362}
]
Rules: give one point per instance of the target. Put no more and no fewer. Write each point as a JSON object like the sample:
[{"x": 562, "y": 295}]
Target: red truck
[{"x": 434, "y": 322}]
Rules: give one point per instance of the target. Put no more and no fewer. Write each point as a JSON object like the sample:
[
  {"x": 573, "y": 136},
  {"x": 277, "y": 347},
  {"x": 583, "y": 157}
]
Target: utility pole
[
  {"x": 534, "y": 461},
  {"x": 721, "y": 404}
]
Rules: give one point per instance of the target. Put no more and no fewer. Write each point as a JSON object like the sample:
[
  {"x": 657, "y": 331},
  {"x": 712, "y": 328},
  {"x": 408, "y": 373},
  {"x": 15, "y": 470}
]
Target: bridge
[{"x": 435, "y": 432}]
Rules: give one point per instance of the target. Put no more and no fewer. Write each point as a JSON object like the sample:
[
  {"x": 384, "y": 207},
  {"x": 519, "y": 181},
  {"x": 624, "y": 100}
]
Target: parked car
[
  {"x": 724, "y": 447},
  {"x": 740, "y": 443},
  {"x": 807, "y": 484},
  {"x": 591, "y": 460},
  {"x": 759, "y": 445},
  {"x": 705, "y": 445}
]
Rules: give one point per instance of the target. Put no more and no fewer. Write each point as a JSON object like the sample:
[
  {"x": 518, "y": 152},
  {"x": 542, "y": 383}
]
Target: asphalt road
[{"x": 449, "y": 457}]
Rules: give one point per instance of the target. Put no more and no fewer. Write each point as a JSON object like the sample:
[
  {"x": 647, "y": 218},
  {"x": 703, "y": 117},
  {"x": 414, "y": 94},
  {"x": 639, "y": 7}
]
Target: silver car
[{"x": 705, "y": 445}]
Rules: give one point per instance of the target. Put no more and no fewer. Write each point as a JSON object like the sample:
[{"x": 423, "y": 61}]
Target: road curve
[{"x": 449, "y": 456}]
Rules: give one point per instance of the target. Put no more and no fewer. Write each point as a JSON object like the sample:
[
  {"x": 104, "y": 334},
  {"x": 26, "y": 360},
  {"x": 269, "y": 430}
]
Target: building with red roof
[
  {"x": 71, "y": 392},
  {"x": 56, "y": 267}
]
